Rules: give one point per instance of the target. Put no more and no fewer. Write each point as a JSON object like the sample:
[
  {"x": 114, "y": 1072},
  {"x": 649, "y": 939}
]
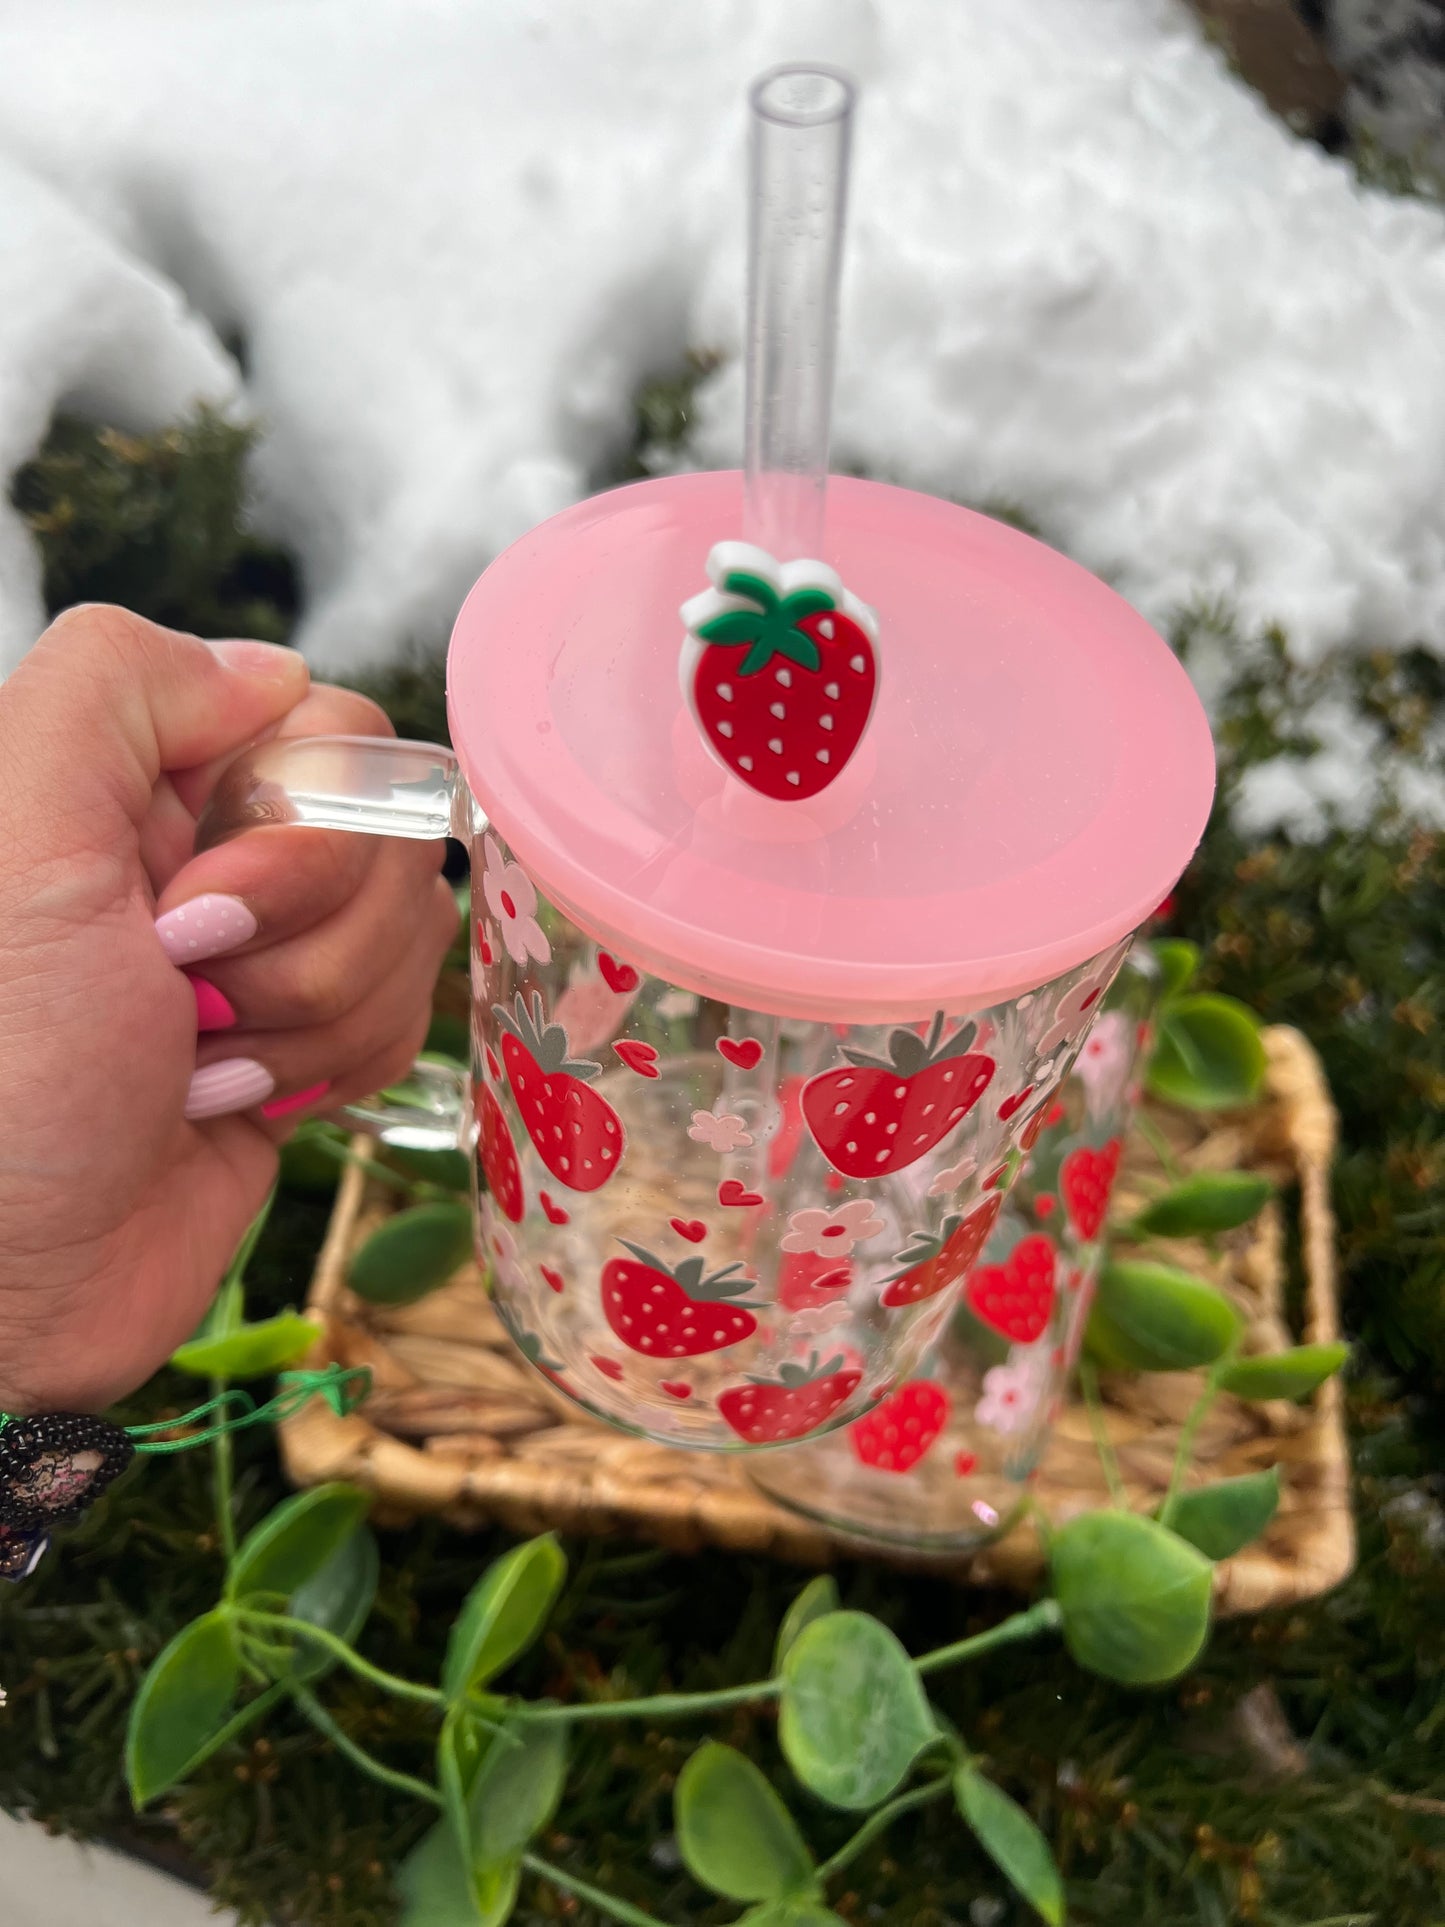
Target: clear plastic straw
[{"x": 802, "y": 127}]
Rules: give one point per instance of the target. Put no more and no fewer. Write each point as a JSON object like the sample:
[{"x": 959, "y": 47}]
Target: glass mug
[
  {"x": 751, "y": 1078},
  {"x": 943, "y": 1463}
]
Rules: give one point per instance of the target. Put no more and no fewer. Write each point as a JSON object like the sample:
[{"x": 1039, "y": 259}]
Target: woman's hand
[{"x": 165, "y": 1018}]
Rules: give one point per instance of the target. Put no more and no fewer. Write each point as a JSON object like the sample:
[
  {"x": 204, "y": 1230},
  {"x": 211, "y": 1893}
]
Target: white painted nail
[
  {"x": 232, "y": 1084},
  {"x": 205, "y": 927}
]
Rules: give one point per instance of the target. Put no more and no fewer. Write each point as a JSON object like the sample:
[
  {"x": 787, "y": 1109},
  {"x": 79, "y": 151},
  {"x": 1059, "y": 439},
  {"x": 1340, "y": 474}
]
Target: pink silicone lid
[{"x": 1036, "y": 775}]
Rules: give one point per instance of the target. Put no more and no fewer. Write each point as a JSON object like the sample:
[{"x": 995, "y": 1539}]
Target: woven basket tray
[{"x": 458, "y": 1425}]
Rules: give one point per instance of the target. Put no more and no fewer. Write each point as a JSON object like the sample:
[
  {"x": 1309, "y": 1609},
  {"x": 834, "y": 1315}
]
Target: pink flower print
[
  {"x": 1011, "y": 1391},
  {"x": 818, "y": 1319},
  {"x": 590, "y": 1011},
  {"x": 501, "y": 1250},
  {"x": 513, "y": 902},
  {"x": 722, "y": 1133},
  {"x": 1103, "y": 1065},
  {"x": 833, "y": 1234},
  {"x": 955, "y": 1176}
]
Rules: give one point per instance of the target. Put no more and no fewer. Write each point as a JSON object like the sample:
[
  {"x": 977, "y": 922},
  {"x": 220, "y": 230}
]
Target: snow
[{"x": 1089, "y": 276}]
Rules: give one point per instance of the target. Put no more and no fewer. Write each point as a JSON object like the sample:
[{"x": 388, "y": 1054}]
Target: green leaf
[
  {"x": 1209, "y": 1202},
  {"x": 411, "y": 1254},
  {"x": 818, "y": 1597},
  {"x": 802, "y": 1912},
  {"x": 250, "y": 1351},
  {"x": 337, "y": 1598},
  {"x": 450, "y": 1036},
  {"x": 1012, "y": 1841},
  {"x": 516, "y": 1790},
  {"x": 294, "y": 1543},
  {"x": 236, "y": 1270},
  {"x": 1222, "y": 1517},
  {"x": 306, "y": 1164},
  {"x": 1208, "y": 1053},
  {"x": 438, "y": 1891},
  {"x": 734, "y": 626},
  {"x": 1153, "y": 1318},
  {"x": 500, "y": 1789},
  {"x": 503, "y": 1614},
  {"x": 1292, "y": 1374},
  {"x": 853, "y": 1716},
  {"x": 183, "y": 1708},
  {"x": 1177, "y": 961},
  {"x": 449, "y": 1169},
  {"x": 733, "y": 1831},
  {"x": 1134, "y": 1596}
]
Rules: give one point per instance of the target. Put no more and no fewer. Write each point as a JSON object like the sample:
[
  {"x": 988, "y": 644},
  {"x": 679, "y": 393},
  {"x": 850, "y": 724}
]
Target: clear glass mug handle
[{"x": 376, "y": 786}]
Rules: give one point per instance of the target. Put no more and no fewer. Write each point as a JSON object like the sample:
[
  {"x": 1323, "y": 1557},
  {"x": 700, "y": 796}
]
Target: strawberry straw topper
[
  {"x": 780, "y": 669},
  {"x": 780, "y": 663}
]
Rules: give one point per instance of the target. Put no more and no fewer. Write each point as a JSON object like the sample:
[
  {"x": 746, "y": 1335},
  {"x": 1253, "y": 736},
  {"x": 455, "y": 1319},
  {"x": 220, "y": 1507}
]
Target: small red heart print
[
  {"x": 554, "y": 1211},
  {"x": 675, "y": 1388},
  {"x": 620, "y": 977},
  {"x": 731, "y": 1192},
  {"x": 608, "y": 1367},
  {"x": 638, "y": 1056},
  {"x": 1011, "y": 1104},
  {"x": 693, "y": 1229},
  {"x": 965, "y": 1463},
  {"x": 745, "y": 1052},
  {"x": 554, "y": 1278},
  {"x": 1045, "y": 1205}
]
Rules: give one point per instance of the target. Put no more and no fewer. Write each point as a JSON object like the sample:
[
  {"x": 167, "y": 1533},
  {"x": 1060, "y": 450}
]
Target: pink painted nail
[
  {"x": 283, "y": 1106},
  {"x": 233, "y": 1084},
  {"x": 204, "y": 927},
  {"x": 214, "y": 1009}
]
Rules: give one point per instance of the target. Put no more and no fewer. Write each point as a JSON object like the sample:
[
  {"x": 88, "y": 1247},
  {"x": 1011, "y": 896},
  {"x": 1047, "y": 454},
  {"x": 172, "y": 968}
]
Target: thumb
[{"x": 107, "y": 702}]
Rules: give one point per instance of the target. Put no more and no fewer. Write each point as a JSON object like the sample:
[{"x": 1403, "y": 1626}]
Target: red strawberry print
[
  {"x": 766, "y": 1411},
  {"x": 638, "y": 1056},
  {"x": 499, "y": 1156},
  {"x": 881, "y": 1114},
  {"x": 896, "y": 1434},
  {"x": 745, "y": 1052},
  {"x": 779, "y": 669},
  {"x": 805, "y": 1278},
  {"x": 1086, "y": 1179},
  {"x": 693, "y": 1229},
  {"x": 931, "y": 1265},
  {"x": 576, "y": 1132},
  {"x": 619, "y": 977},
  {"x": 494, "y": 1068},
  {"x": 674, "y": 1311},
  {"x": 556, "y": 1214},
  {"x": 1016, "y": 1298}
]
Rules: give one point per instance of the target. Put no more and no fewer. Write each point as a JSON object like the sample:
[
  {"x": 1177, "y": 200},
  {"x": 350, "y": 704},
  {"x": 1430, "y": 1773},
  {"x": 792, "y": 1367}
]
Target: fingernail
[
  {"x": 205, "y": 927},
  {"x": 214, "y": 1010},
  {"x": 283, "y": 1106},
  {"x": 266, "y": 661},
  {"x": 234, "y": 1084}
]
